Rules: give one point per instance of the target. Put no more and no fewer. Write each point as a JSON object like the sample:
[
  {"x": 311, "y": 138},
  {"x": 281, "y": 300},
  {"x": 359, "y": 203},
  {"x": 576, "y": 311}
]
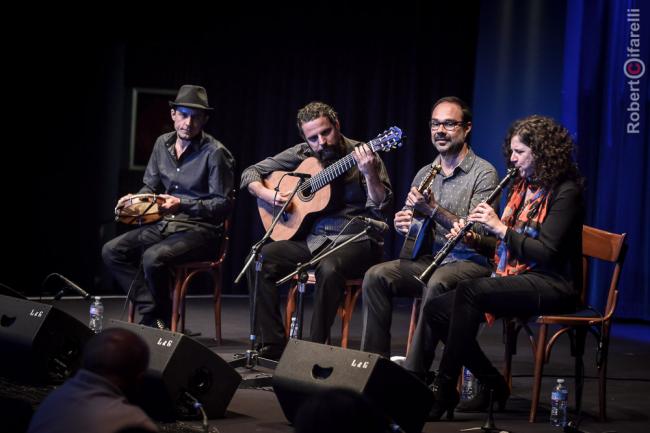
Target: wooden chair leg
[
  {"x": 345, "y": 318},
  {"x": 352, "y": 295},
  {"x": 131, "y": 317},
  {"x": 174, "y": 325},
  {"x": 218, "y": 281},
  {"x": 415, "y": 313},
  {"x": 345, "y": 314},
  {"x": 539, "y": 366},
  {"x": 181, "y": 310},
  {"x": 176, "y": 299}
]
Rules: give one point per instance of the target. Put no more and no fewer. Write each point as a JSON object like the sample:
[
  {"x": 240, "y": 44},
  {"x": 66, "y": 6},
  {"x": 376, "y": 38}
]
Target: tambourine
[{"x": 139, "y": 209}]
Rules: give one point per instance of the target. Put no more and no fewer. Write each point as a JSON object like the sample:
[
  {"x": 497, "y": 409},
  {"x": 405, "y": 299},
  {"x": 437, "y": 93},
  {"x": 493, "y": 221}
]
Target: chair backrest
[{"x": 610, "y": 247}]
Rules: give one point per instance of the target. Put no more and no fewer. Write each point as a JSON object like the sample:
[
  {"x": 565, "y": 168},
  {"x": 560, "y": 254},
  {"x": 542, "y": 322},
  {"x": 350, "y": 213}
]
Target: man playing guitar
[{"x": 362, "y": 190}]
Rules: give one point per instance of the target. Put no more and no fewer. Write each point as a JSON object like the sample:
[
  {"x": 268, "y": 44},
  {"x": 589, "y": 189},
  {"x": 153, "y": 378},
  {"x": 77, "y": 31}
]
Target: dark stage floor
[{"x": 257, "y": 410}]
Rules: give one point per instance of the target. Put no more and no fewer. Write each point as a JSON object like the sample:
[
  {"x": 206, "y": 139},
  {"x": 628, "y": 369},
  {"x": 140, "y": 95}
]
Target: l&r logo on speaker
[
  {"x": 164, "y": 343},
  {"x": 36, "y": 313},
  {"x": 359, "y": 364}
]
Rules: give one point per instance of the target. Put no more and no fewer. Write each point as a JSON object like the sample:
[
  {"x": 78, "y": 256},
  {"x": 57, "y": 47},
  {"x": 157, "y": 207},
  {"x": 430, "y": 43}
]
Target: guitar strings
[{"x": 333, "y": 171}]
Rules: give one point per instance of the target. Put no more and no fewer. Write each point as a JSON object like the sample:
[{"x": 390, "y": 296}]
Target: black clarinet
[{"x": 451, "y": 242}]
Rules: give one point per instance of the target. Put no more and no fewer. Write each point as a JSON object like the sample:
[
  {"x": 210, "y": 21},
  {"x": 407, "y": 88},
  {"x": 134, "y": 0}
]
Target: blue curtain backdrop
[{"x": 605, "y": 104}]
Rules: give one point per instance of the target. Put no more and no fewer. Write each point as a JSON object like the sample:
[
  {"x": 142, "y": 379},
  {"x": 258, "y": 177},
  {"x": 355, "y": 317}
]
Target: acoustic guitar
[
  {"x": 314, "y": 194},
  {"x": 419, "y": 223}
]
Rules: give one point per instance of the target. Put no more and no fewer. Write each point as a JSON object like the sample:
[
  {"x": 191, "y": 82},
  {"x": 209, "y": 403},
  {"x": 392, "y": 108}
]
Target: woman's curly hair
[{"x": 552, "y": 147}]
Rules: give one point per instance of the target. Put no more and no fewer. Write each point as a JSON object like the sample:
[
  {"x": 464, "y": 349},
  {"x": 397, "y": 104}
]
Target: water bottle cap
[
  {"x": 560, "y": 381},
  {"x": 98, "y": 298}
]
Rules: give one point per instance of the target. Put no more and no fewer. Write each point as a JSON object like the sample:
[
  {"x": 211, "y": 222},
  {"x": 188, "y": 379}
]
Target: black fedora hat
[{"x": 191, "y": 96}]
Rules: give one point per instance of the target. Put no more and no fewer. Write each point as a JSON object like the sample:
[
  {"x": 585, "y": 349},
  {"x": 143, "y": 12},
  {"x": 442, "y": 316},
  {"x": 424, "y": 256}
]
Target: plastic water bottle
[
  {"x": 96, "y": 315},
  {"x": 293, "y": 329},
  {"x": 559, "y": 403},
  {"x": 469, "y": 385}
]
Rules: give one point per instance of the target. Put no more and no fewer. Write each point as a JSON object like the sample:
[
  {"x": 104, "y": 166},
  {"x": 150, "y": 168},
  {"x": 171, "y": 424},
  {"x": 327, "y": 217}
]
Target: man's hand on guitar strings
[{"x": 367, "y": 161}]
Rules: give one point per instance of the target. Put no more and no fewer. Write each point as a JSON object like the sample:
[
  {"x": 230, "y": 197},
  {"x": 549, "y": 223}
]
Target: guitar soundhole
[{"x": 306, "y": 194}]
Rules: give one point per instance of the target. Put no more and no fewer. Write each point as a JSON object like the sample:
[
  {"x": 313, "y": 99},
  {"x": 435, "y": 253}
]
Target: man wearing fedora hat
[{"x": 192, "y": 175}]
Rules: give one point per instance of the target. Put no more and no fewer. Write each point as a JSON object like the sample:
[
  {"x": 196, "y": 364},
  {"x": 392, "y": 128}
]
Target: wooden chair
[
  {"x": 184, "y": 273},
  {"x": 182, "y": 276},
  {"x": 596, "y": 244},
  {"x": 350, "y": 296}
]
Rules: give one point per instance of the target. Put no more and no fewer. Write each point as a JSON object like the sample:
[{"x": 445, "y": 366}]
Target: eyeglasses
[{"x": 449, "y": 125}]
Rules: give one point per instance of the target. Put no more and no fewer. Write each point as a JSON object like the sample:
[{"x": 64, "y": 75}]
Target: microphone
[
  {"x": 380, "y": 226},
  {"x": 70, "y": 284},
  {"x": 300, "y": 175}
]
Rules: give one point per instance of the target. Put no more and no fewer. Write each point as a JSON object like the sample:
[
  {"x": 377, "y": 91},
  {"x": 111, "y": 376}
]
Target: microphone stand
[
  {"x": 301, "y": 271},
  {"x": 251, "y": 358}
]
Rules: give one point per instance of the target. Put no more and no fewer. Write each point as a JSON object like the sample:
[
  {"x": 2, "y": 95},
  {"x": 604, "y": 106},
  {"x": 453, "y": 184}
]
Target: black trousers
[
  {"x": 387, "y": 280},
  {"x": 455, "y": 317},
  {"x": 281, "y": 257},
  {"x": 140, "y": 259}
]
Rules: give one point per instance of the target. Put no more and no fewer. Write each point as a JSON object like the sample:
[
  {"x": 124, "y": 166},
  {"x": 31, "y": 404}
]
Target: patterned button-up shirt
[{"x": 469, "y": 184}]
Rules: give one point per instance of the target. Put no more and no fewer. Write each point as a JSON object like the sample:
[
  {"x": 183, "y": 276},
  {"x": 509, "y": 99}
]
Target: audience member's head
[
  {"x": 341, "y": 411},
  {"x": 15, "y": 414},
  {"x": 119, "y": 355}
]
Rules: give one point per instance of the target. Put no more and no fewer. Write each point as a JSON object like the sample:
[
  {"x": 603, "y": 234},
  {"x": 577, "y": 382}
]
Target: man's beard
[{"x": 330, "y": 154}]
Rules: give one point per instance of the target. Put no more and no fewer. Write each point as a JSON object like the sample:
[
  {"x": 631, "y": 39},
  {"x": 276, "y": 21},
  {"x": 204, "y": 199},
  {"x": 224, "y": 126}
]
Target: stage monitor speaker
[
  {"x": 178, "y": 366},
  {"x": 38, "y": 342},
  {"x": 306, "y": 368}
]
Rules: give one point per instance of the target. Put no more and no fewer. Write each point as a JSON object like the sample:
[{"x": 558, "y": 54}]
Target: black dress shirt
[{"x": 203, "y": 178}]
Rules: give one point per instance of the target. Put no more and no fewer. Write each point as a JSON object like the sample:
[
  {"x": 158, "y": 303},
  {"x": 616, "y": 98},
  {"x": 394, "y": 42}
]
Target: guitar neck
[
  {"x": 332, "y": 172},
  {"x": 384, "y": 142},
  {"x": 430, "y": 176}
]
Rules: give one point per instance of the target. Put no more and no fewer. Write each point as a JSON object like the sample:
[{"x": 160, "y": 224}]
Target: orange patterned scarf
[{"x": 523, "y": 217}]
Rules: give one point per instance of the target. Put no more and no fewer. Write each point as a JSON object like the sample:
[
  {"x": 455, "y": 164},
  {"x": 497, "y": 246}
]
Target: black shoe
[
  {"x": 148, "y": 320},
  {"x": 153, "y": 322},
  {"x": 271, "y": 351},
  {"x": 187, "y": 331},
  {"x": 481, "y": 401},
  {"x": 445, "y": 398}
]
